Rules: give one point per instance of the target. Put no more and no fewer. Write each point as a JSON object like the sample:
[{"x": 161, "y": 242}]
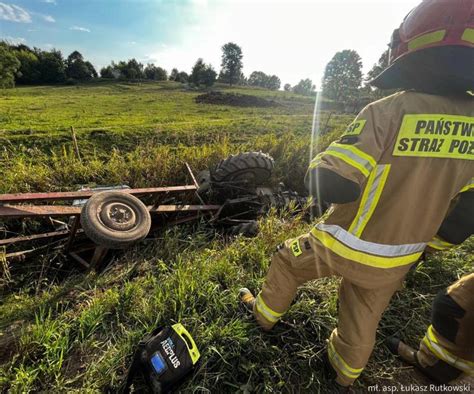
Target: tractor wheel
[
  {"x": 249, "y": 229},
  {"x": 115, "y": 220},
  {"x": 249, "y": 168}
]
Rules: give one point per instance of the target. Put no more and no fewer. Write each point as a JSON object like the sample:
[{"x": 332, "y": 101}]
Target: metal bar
[
  {"x": 22, "y": 211},
  {"x": 183, "y": 208},
  {"x": 195, "y": 183},
  {"x": 80, "y": 260},
  {"x": 192, "y": 175},
  {"x": 99, "y": 254},
  {"x": 18, "y": 255},
  {"x": 74, "y": 228},
  {"x": 61, "y": 196},
  {"x": 34, "y": 237}
]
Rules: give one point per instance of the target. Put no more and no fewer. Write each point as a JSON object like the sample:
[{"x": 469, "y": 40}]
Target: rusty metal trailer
[{"x": 52, "y": 205}]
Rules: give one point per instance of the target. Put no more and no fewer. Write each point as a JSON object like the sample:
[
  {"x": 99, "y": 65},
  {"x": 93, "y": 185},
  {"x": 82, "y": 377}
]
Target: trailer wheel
[
  {"x": 115, "y": 219},
  {"x": 252, "y": 168}
]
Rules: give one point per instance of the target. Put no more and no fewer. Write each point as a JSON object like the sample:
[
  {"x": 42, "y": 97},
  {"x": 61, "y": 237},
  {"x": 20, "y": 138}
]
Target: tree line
[{"x": 342, "y": 81}]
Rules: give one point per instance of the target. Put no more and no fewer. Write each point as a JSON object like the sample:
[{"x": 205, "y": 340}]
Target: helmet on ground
[{"x": 433, "y": 49}]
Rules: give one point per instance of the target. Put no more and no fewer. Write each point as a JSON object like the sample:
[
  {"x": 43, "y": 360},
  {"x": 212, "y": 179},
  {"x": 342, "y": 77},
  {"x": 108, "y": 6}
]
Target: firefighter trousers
[
  {"x": 447, "y": 350},
  {"x": 360, "y": 309}
]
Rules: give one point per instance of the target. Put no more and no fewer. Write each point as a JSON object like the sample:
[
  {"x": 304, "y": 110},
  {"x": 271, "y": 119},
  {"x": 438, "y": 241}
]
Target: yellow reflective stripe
[
  {"x": 468, "y": 35},
  {"x": 357, "y": 152},
  {"x": 433, "y": 344},
  {"x": 267, "y": 313},
  {"x": 361, "y": 257},
  {"x": 349, "y": 161},
  {"x": 352, "y": 156},
  {"x": 440, "y": 244},
  {"x": 469, "y": 186},
  {"x": 426, "y": 39},
  {"x": 316, "y": 161},
  {"x": 372, "y": 192},
  {"x": 339, "y": 363}
]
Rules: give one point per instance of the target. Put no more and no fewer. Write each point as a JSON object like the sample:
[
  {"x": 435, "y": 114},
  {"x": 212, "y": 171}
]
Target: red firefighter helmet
[{"x": 432, "y": 24}]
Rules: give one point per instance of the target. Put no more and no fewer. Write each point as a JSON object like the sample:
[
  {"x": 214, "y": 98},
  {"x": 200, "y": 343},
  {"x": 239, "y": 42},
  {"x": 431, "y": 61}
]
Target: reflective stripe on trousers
[
  {"x": 433, "y": 344},
  {"x": 439, "y": 244},
  {"x": 373, "y": 254},
  {"x": 265, "y": 311},
  {"x": 339, "y": 363}
]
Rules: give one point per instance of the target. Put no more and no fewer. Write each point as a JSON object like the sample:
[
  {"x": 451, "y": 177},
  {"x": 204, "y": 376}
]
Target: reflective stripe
[
  {"x": 370, "y": 247},
  {"x": 338, "y": 363},
  {"x": 352, "y": 156},
  {"x": 469, "y": 186},
  {"x": 267, "y": 313},
  {"x": 468, "y": 35},
  {"x": 315, "y": 162},
  {"x": 439, "y": 244},
  {"x": 426, "y": 39},
  {"x": 373, "y": 254},
  {"x": 372, "y": 192},
  {"x": 433, "y": 344}
]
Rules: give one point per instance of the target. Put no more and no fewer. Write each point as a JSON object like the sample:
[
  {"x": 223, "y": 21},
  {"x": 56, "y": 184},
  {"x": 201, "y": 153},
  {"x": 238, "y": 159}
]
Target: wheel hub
[{"x": 118, "y": 216}]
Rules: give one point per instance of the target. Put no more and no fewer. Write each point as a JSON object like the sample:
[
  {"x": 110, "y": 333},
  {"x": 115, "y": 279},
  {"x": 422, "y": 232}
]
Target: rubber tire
[
  {"x": 253, "y": 168},
  {"x": 105, "y": 236}
]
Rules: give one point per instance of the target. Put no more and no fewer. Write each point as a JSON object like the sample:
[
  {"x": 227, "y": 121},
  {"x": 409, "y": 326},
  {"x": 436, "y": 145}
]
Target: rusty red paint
[
  {"x": 62, "y": 196},
  {"x": 23, "y": 211}
]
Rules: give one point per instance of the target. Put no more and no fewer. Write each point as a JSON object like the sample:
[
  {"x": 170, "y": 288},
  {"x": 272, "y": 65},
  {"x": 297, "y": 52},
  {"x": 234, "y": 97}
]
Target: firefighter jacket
[{"x": 411, "y": 154}]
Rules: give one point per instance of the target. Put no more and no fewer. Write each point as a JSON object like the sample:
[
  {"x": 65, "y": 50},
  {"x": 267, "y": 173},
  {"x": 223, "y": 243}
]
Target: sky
[{"x": 293, "y": 39}]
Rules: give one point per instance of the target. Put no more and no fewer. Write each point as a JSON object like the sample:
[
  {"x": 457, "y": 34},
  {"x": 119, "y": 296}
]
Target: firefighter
[
  {"x": 446, "y": 352},
  {"x": 390, "y": 179}
]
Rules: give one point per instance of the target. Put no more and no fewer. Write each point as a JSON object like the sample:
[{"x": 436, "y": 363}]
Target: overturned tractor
[{"x": 91, "y": 222}]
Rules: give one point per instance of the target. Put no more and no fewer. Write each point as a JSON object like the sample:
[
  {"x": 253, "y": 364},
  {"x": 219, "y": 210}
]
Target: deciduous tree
[
  {"x": 202, "y": 74},
  {"x": 343, "y": 76},
  {"x": 9, "y": 66},
  {"x": 305, "y": 87},
  {"x": 51, "y": 66},
  {"x": 155, "y": 73},
  {"x": 231, "y": 63}
]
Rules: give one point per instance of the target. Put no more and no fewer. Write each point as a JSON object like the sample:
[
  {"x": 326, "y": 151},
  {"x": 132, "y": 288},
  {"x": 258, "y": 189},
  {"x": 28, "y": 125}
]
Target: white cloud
[
  {"x": 48, "y": 18},
  {"x": 15, "y": 40},
  {"x": 14, "y": 13},
  {"x": 50, "y": 2},
  {"x": 48, "y": 46},
  {"x": 80, "y": 28}
]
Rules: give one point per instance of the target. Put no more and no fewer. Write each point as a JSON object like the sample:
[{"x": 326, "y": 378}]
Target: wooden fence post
[{"x": 76, "y": 146}]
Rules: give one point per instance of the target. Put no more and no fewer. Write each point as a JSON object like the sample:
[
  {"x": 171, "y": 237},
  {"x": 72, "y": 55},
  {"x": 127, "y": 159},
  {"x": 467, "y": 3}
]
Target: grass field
[{"x": 62, "y": 330}]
